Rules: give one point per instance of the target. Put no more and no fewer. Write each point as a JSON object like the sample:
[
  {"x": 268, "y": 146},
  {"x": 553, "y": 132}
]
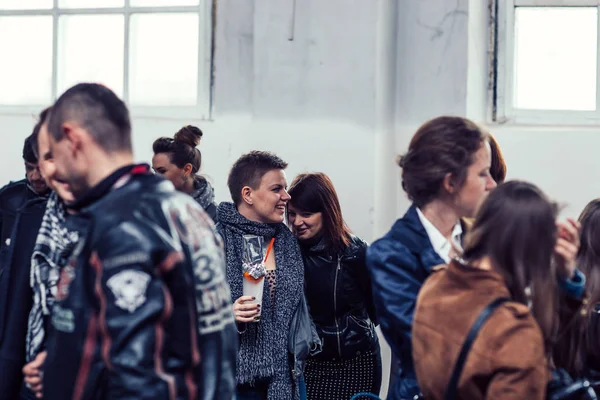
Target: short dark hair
[
  {"x": 315, "y": 193},
  {"x": 498, "y": 168},
  {"x": 28, "y": 153},
  {"x": 249, "y": 169},
  {"x": 440, "y": 146},
  {"x": 181, "y": 149},
  {"x": 98, "y": 110},
  {"x": 36, "y": 130},
  {"x": 515, "y": 228}
]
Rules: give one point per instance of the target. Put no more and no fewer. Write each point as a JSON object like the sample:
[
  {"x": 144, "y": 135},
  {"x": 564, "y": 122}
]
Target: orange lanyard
[{"x": 269, "y": 249}]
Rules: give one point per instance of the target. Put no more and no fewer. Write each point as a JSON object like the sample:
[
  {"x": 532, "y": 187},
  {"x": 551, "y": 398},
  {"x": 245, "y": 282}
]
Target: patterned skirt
[{"x": 340, "y": 380}]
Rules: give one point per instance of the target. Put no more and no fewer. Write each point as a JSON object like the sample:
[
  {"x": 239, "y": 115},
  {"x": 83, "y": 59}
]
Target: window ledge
[
  {"x": 136, "y": 112},
  {"x": 548, "y": 118}
]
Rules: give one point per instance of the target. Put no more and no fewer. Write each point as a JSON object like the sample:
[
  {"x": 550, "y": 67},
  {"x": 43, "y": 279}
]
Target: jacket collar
[
  {"x": 440, "y": 244},
  {"x": 476, "y": 279},
  {"x": 412, "y": 221},
  {"x": 116, "y": 179},
  {"x": 318, "y": 247},
  {"x": 411, "y": 232}
]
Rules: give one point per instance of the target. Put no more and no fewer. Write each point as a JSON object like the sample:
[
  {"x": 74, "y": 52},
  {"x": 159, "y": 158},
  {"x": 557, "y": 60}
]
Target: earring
[{"x": 528, "y": 296}]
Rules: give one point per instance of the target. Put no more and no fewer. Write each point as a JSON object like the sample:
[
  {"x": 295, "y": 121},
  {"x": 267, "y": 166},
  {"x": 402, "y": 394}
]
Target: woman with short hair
[{"x": 259, "y": 247}]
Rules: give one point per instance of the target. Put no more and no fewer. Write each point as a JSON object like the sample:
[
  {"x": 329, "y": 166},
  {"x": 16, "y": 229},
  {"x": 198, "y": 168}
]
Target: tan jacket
[{"x": 507, "y": 359}]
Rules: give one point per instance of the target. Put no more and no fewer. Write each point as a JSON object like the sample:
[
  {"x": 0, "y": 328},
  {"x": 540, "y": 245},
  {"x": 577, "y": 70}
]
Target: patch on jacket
[
  {"x": 63, "y": 319},
  {"x": 129, "y": 288},
  {"x": 67, "y": 274}
]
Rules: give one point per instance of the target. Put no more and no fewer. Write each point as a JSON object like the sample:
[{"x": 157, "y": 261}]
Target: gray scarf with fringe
[
  {"x": 203, "y": 193},
  {"x": 263, "y": 346}
]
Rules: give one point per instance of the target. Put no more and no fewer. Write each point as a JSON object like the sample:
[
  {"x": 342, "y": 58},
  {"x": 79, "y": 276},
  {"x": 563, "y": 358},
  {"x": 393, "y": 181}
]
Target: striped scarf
[{"x": 51, "y": 252}]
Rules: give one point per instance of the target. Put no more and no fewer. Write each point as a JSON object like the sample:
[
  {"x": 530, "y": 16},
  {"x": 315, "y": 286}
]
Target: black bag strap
[{"x": 464, "y": 351}]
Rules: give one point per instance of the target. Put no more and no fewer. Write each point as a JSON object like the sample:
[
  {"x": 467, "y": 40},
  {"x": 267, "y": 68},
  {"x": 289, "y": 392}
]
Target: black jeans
[
  {"x": 256, "y": 392},
  {"x": 26, "y": 393}
]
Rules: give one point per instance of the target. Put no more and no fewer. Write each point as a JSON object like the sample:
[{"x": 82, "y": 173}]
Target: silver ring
[{"x": 28, "y": 386}]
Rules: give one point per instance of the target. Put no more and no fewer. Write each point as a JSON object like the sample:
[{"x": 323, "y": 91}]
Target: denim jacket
[{"x": 399, "y": 264}]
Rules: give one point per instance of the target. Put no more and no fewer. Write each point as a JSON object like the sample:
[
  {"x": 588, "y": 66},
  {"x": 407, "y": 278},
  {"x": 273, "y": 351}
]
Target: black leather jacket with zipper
[
  {"x": 338, "y": 292},
  {"x": 142, "y": 309}
]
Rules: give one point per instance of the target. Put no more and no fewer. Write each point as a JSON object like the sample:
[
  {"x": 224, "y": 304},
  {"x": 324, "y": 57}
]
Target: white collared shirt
[{"x": 440, "y": 244}]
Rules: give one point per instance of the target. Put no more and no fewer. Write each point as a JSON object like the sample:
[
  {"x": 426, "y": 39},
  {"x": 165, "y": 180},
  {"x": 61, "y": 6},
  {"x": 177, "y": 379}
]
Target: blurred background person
[{"x": 179, "y": 160}]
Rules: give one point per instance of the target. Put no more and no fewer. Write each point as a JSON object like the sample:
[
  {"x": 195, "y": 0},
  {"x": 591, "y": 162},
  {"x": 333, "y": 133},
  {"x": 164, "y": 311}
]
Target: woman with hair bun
[
  {"x": 446, "y": 173},
  {"x": 179, "y": 160}
]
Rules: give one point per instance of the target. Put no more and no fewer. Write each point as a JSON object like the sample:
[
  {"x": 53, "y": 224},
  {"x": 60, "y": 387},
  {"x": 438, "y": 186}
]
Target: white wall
[
  {"x": 311, "y": 99},
  {"x": 346, "y": 94},
  {"x": 563, "y": 162}
]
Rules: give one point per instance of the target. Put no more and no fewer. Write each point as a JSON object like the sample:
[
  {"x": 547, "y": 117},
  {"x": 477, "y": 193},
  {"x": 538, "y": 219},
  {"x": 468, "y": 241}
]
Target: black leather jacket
[
  {"x": 12, "y": 197},
  {"x": 338, "y": 292},
  {"x": 16, "y": 297},
  {"x": 142, "y": 310}
]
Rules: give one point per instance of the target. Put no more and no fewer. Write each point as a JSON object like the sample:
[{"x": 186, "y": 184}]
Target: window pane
[
  {"x": 90, "y": 3},
  {"x": 163, "y": 59},
  {"x": 90, "y": 49},
  {"x": 25, "y": 4},
  {"x": 555, "y": 58},
  {"x": 26, "y": 67},
  {"x": 159, "y": 3}
]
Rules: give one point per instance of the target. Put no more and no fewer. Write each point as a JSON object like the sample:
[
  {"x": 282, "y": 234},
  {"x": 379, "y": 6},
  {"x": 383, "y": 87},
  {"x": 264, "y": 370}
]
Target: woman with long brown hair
[
  {"x": 338, "y": 293},
  {"x": 578, "y": 350},
  {"x": 515, "y": 251}
]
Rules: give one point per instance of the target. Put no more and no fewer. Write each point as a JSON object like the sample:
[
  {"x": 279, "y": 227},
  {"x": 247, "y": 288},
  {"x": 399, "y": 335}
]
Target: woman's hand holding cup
[{"x": 244, "y": 310}]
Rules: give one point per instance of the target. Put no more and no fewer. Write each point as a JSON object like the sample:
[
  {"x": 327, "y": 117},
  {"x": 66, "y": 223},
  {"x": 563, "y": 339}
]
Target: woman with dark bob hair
[
  {"x": 338, "y": 292},
  {"x": 514, "y": 259},
  {"x": 446, "y": 174}
]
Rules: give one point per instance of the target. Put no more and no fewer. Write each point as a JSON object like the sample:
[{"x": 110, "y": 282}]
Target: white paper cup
[{"x": 254, "y": 289}]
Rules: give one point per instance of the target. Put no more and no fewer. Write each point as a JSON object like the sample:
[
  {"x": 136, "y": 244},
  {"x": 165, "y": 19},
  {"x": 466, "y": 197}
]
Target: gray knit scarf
[
  {"x": 263, "y": 351},
  {"x": 203, "y": 193}
]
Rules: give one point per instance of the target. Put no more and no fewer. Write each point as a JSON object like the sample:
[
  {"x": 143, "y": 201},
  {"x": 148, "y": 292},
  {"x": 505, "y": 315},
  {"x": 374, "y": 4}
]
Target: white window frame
[
  {"x": 202, "y": 110},
  {"x": 502, "y": 110}
]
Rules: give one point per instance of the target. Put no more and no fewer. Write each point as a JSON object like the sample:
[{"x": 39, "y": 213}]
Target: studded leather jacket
[
  {"x": 338, "y": 293},
  {"x": 142, "y": 310}
]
